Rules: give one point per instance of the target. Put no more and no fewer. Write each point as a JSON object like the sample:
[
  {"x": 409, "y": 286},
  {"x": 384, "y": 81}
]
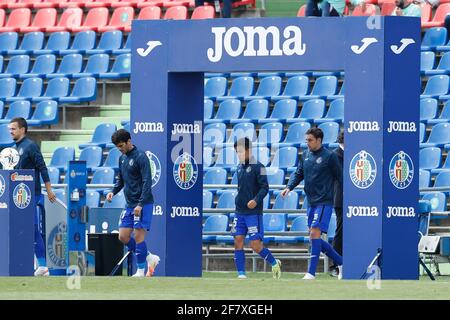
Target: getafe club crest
[
  {"x": 185, "y": 171},
  {"x": 57, "y": 244},
  {"x": 155, "y": 167},
  {"x": 22, "y": 196},
  {"x": 401, "y": 170},
  {"x": 363, "y": 170}
]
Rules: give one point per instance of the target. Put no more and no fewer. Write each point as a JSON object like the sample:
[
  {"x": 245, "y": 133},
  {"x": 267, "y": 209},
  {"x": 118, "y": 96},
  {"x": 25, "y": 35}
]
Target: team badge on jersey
[
  {"x": 401, "y": 170},
  {"x": 185, "y": 171},
  {"x": 155, "y": 167},
  {"x": 22, "y": 196},
  {"x": 363, "y": 170}
]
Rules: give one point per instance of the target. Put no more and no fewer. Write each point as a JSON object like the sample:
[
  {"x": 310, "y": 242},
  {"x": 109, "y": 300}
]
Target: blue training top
[
  {"x": 320, "y": 169},
  {"x": 135, "y": 177}
]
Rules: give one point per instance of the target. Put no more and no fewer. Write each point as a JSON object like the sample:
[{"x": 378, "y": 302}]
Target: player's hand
[
  {"x": 137, "y": 211},
  {"x": 285, "y": 192},
  {"x": 51, "y": 196},
  {"x": 251, "y": 204},
  {"x": 109, "y": 196}
]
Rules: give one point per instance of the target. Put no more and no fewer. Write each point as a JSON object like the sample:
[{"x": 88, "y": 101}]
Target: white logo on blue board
[
  {"x": 363, "y": 170},
  {"x": 2, "y": 185},
  {"x": 366, "y": 43},
  {"x": 404, "y": 43},
  {"x": 185, "y": 171},
  {"x": 150, "y": 46},
  {"x": 401, "y": 170},
  {"x": 22, "y": 196},
  {"x": 57, "y": 245},
  {"x": 155, "y": 167}
]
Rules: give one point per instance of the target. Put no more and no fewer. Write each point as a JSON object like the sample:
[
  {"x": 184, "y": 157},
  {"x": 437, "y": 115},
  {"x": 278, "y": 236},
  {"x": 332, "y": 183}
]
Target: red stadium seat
[
  {"x": 203, "y": 12},
  {"x": 150, "y": 13},
  {"x": 120, "y": 19},
  {"x": 426, "y": 13},
  {"x": 174, "y": 3},
  {"x": 23, "y": 4},
  {"x": 252, "y": 3},
  {"x": 71, "y": 17},
  {"x": 127, "y": 3},
  {"x": 95, "y": 18},
  {"x": 99, "y": 3},
  {"x": 48, "y": 4},
  {"x": 371, "y": 10},
  {"x": 73, "y": 3},
  {"x": 2, "y": 17},
  {"x": 382, "y": 2},
  {"x": 44, "y": 18},
  {"x": 176, "y": 13},
  {"x": 4, "y": 3},
  {"x": 387, "y": 8},
  {"x": 439, "y": 16},
  {"x": 17, "y": 19},
  {"x": 147, "y": 3},
  {"x": 301, "y": 11}
]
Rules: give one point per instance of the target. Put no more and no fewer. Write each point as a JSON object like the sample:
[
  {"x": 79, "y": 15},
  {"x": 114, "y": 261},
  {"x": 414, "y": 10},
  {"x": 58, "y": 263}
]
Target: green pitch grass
[{"x": 221, "y": 286}]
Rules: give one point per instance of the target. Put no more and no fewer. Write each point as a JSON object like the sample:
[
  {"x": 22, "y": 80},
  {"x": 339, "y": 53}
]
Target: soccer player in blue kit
[
  {"x": 31, "y": 158},
  {"x": 320, "y": 168},
  {"x": 252, "y": 188},
  {"x": 136, "y": 179}
]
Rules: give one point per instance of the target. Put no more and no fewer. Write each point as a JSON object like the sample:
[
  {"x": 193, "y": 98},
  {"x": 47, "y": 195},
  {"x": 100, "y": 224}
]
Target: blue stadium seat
[
  {"x": 288, "y": 202},
  {"x": 270, "y": 74},
  {"x": 275, "y": 176},
  {"x": 436, "y": 86},
  {"x": 295, "y": 87},
  {"x": 214, "y": 223},
  {"x": 31, "y": 41},
  {"x": 227, "y": 200},
  {"x": 126, "y": 47},
  {"x": 330, "y": 134},
  {"x": 2, "y": 107},
  {"x": 208, "y": 157},
  {"x": 103, "y": 176},
  {"x": 214, "y": 133},
  {"x": 16, "y": 66},
  {"x": 439, "y": 136},
  {"x": 285, "y": 158},
  {"x": 241, "y": 130},
  {"x": 445, "y": 167},
  {"x": 240, "y": 87},
  {"x": 109, "y": 41},
  {"x": 56, "y": 41},
  {"x": 96, "y": 64},
  {"x": 434, "y": 37},
  {"x": 53, "y": 174},
  {"x": 270, "y": 133},
  {"x": 442, "y": 179},
  {"x": 207, "y": 199},
  {"x": 295, "y": 135},
  {"x": 444, "y": 116},
  {"x": 85, "y": 89},
  {"x": 340, "y": 95},
  {"x": 323, "y": 87},
  {"x": 283, "y": 109},
  {"x": 121, "y": 68},
  {"x": 61, "y": 156},
  {"x": 118, "y": 201},
  {"x": 268, "y": 87},
  {"x": 335, "y": 112},
  {"x": 1, "y": 64},
  {"x": 5, "y": 137},
  {"x": 424, "y": 178},
  {"x": 274, "y": 222},
  {"x": 44, "y": 64},
  {"x": 102, "y": 136},
  {"x": 8, "y": 41},
  {"x": 112, "y": 159},
  {"x": 300, "y": 225},
  {"x": 438, "y": 201},
  {"x": 92, "y": 199},
  {"x": 261, "y": 154},
  {"x": 208, "y": 106},
  {"x": 442, "y": 68},
  {"x": 17, "y": 109},
  {"x": 31, "y": 87},
  {"x": 56, "y": 88},
  {"x": 426, "y": 61},
  {"x": 46, "y": 113},
  {"x": 82, "y": 42},
  {"x": 93, "y": 157},
  {"x": 7, "y": 88},
  {"x": 70, "y": 64},
  {"x": 228, "y": 110},
  {"x": 215, "y": 175},
  {"x": 428, "y": 109},
  {"x": 430, "y": 158},
  {"x": 311, "y": 110},
  {"x": 255, "y": 110},
  {"x": 243, "y": 74},
  {"x": 227, "y": 158},
  {"x": 215, "y": 87},
  {"x": 422, "y": 132}
]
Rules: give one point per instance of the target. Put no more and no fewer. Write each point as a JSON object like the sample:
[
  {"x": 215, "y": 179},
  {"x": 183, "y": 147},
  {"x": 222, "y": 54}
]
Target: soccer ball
[{"x": 9, "y": 157}]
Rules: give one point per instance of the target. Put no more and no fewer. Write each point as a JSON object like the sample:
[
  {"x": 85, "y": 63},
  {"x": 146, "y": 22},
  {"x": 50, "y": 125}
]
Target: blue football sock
[
  {"x": 131, "y": 245},
  {"x": 39, "y": 248},
  {"x": 141, "y": 254},
  {"x": 331, "y": 253},
  {"x": 316, "y": 245},
  {"x": 267, "y": 255},
  {"x": 239, "y": 260}
]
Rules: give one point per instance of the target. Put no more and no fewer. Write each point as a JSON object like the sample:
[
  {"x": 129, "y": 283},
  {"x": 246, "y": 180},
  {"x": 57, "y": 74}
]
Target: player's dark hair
[
  {"x": 21, "y": 122},
  {"x": 119, "y": 136},
  {"x": 340, "y": 138},
  {"x": 243, "y": 142},
  {"x": 316, "y": 133}
]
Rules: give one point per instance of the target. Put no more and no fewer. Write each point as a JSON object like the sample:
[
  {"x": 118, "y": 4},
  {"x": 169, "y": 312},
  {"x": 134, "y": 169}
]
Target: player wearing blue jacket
[
  {"x": 320, "y": 168},
  {"x": 252, "y": 188},
  {"x": 135, "y": 179}
]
